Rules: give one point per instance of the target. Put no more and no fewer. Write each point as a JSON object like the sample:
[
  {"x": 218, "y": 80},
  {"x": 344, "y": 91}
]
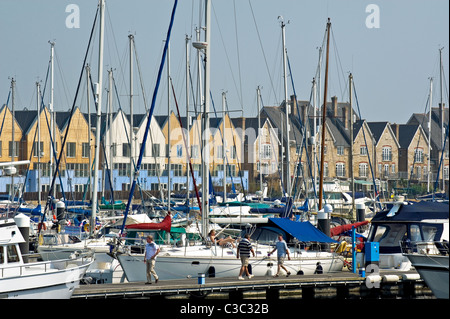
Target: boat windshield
[{"x": 390, "y": 235}]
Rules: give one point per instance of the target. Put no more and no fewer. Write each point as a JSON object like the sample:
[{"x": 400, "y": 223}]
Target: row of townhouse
[
  {"x": 376, "y": 150},
  {"x": 119, "y": 152},
  {"x": 252, "y": 150}
]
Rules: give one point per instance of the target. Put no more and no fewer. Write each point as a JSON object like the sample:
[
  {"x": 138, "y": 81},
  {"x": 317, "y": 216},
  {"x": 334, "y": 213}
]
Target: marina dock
[{"x": 342, "y": 285}]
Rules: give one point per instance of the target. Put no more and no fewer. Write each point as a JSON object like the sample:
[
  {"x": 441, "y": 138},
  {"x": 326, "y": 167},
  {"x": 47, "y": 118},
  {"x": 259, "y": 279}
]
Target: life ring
[{"x": 86, "y": 227}]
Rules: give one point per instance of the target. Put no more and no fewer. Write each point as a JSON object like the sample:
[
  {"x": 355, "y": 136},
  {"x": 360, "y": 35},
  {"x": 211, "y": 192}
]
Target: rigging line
[
  {"x": 63, "y": 81},
  {"x": 365, "y": 141},
  {"x": 278, "y": 142},
  {"x": 417, "y": 145},
  {"x": 238, "y": 161},
  {"x": 228, "y": 58},
  {"x": 185, "y": 143},
  {"x": 72, "y": 111},
  {"x": 436, "y": 183},
  {"x": 237, "y": 52},
  {"x": 144, "y": 140},
  {"x": 263, "y": 52},
  {"x": 338, "y": 59},
  {"x": 303, "y": 128}
]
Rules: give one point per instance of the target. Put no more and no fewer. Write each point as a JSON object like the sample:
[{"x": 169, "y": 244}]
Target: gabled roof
[
  {"x": 378, "y": 128},
  {"x": 407, "y": 133}
]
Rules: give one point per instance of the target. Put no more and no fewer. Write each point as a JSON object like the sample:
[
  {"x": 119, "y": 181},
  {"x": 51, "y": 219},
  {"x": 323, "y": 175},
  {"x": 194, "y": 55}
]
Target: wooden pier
[{"x": 342, "y": 285}]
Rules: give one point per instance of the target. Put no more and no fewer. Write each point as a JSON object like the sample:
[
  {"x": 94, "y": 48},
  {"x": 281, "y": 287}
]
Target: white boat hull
[
  {"x": 43, "y": 280},
  {"x": 179, "y": 266}
]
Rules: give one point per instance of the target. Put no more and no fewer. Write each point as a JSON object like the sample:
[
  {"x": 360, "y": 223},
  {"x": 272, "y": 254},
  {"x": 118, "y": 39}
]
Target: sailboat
[{"x": 186, "y": 260}]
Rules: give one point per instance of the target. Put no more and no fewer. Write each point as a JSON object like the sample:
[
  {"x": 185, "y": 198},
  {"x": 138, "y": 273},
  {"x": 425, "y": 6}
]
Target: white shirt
[{"x": 150, "y": 250}]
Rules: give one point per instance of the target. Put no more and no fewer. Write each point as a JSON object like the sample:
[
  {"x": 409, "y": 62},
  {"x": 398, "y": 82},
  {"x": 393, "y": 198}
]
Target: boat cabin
[{"x": 407, "y": 223}]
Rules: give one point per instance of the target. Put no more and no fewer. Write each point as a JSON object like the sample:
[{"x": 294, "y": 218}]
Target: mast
[
  {"x": 258, "y": 93},
  {"x": 168, "y": 127},
  {"x": 13, "y": 142},
  {"x": 205, "y": 162},
  {"x": 287, "y": 151},
  {"x": 352, "y": 176},
  {"x": 441, "y": 112},
  {"x": 429, "y": 136},
  {"x": 99, "y": 114},
  {"x": 88, "y": 97},
  {"x": 224, "y": 198},
  {"x": 131, "y": 38},
  {"x": 324, "y": 112},
  {"x": 187, "y": 121},
  {"x": 39, "y": 141},
  {"x": 52, "y": 112}
]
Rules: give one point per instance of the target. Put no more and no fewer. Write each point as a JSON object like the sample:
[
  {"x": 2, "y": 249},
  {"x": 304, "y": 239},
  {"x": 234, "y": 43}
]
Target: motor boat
[
  {"x": 430, "y": 259},
  {"x": 22, "y": 277},
  {"x": 403, "y": 223}
]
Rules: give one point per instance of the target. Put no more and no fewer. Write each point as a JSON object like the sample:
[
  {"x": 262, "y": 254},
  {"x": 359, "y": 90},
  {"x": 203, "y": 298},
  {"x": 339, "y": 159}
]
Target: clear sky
[{"x": 391, "y": 50}]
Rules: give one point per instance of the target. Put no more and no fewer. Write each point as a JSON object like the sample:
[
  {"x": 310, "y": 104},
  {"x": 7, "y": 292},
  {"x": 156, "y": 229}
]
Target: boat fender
[
  {"x": 391, "y": 278},
  {"x": 270, "y": 272},
  {"x": 410, "y": 276},
  {"x": 373, "y": 278}
]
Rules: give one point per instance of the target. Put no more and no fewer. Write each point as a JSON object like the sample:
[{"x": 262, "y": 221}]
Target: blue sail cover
[{"x": 303, "y": 231}]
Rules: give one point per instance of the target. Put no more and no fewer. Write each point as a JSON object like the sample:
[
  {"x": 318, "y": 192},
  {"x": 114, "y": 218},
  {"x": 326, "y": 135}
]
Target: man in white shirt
[{"x": 151, "y": 250}]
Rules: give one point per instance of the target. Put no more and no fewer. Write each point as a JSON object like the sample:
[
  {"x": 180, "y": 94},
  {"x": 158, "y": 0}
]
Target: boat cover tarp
[
  {"x": 415, "y": 211},
  {"x": 303, "y": 231}
]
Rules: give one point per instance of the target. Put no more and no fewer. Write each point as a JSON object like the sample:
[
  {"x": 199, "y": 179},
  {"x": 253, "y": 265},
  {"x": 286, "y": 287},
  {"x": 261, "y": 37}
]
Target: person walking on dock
[
  {"x": 282, "y": 251},
  {"x": 243, "y": 250},
  {"x": 151, "y": 251}
]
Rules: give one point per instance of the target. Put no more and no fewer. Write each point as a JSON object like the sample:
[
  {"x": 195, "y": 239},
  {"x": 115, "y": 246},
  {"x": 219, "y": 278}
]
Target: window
[
  {"x": 179, "y": 150},
  {"x": 16, "y": 149},
  {"x": 177, "y": 169},
  {"x": 445, "y": 171},
  {"x": 71, "y": 150},
  {"x": 418, "y": 155},
  {"x": 386, "y": 153},
  {"x": 85, "y": 150},
  {"x": 233, "y": 152},
  {"x": 266, "y": 151},
  {"x": 38, "y": 147},
  {"x": 325, "y": 170},
  {"x": 340, "y": 169},
  {"x": 12, "y": 254},
  {"x": 156, "y": 150},
  {"x": 363, "y": 150},
  {"x": 194, "y": 151},
  {"x": 393, "y": 168},
  {"x": 386, "y": 170},
  {"x": 340, "y": 150},
  {"x": 122, "y": 168},
  {"x": 126, "y": 149},
  {"x": 363, "y": 169},
  {"x": 219, "y": 151}
]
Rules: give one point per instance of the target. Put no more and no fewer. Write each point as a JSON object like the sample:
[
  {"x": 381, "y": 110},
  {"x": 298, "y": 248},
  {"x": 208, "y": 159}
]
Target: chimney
[
  {"x": 395, "y": 128},
  {"x": 334, "y": 105},
  {"x": 346, "y": 116},
  {"x": 293, "y": 105},
  {"x": 304, "y": 109}
]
